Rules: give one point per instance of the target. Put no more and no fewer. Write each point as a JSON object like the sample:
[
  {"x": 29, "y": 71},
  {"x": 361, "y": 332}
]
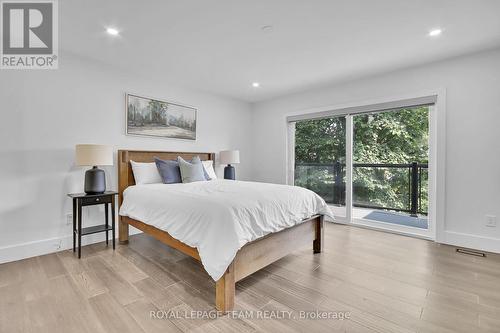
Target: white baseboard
[
  {"x": 488, "y": 244},
  {"x": 46, "y": 246},
  {"x": 482, "y": 243}
]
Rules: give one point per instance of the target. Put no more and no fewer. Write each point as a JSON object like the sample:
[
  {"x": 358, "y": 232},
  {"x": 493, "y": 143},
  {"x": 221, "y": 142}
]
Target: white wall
[
  {"x": 472, "y": 180},
  {"x": 45, "y": 113}
]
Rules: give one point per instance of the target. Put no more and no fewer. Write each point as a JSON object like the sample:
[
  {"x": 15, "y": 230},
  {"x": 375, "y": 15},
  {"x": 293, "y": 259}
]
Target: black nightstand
[{"x": 82, "y": 199}]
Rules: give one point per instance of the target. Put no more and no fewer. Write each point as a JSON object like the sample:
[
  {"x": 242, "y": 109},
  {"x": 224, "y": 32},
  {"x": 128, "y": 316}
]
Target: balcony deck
[{"x": 385, "y": 216}]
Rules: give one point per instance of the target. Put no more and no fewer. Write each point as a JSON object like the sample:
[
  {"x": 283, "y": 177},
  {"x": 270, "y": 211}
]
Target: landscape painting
[{"x": 152, "y": 117}]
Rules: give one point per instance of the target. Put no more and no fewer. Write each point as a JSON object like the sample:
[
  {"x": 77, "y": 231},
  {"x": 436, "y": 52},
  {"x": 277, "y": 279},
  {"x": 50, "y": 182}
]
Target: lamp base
[
  {"x": 95, "y": 181},
  {"x": 229, "y": 172}
]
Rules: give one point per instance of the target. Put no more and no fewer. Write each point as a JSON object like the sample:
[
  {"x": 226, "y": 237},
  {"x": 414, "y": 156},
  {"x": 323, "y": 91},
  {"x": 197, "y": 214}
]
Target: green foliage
[
  {"x": 320, "y": 141},
  {"x": 386, "y": 137},
  {"x": 392, "y": 137}
]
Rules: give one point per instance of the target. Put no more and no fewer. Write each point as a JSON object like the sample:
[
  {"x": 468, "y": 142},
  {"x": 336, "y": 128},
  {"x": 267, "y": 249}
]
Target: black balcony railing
[{"x": 331, "y": 184}]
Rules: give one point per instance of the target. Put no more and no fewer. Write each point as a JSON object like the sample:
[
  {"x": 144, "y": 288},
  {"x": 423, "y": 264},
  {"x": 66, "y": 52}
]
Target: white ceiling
[{"x": 218, "y": 45}]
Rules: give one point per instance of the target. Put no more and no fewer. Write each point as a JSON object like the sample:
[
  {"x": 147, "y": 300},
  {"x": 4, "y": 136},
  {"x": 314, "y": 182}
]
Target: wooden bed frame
[{"x": 249, "y": 259}]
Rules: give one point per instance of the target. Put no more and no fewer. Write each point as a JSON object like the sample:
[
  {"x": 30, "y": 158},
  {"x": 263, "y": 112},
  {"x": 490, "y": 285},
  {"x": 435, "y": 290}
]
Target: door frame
[{"x": 437, "y": 157}]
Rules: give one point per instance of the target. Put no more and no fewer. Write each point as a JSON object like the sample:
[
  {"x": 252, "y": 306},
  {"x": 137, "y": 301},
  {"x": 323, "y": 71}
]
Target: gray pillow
[
  {"x": 191, "y": 172},
  {"x": 169, "y": 171}
]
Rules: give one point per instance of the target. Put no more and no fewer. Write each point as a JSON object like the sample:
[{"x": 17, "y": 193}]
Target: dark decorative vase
[
  {"x": 229, "y": 172},
  {"x": 95, "y": 181}
]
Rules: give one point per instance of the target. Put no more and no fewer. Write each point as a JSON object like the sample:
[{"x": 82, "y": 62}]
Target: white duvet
[{"x": 218, "y": 217}]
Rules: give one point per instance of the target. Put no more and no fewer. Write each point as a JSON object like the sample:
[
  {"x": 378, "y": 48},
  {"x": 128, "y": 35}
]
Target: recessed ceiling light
[
  {"x": 256, "y": 84},
  {"x": 435, "y": 32},
  {"x": 267, "y": 29},
  {"x": 112, "y": 31}
]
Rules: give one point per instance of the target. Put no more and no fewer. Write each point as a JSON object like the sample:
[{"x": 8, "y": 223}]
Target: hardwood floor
[{"x": 386, "y": 282}]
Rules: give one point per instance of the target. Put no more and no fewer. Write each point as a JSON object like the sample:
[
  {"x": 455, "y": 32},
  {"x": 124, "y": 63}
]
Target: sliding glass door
[
  {"x": 390, "y": 167},
  {"x": 372, "y": 168},
  {"x": 320, "y": 159}
]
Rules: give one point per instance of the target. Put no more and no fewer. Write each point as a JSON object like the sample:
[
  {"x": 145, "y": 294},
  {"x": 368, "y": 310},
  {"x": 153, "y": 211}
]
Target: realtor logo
[{"x": 29, "y": 35}]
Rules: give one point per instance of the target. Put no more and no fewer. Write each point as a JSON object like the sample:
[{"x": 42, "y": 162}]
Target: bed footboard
[{"x": 264, "y": 251}]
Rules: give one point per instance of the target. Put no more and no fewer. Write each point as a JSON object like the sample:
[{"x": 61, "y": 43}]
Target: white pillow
[
  {"x": 145, "y": 173},
  {"x": 209, "y": 168}
]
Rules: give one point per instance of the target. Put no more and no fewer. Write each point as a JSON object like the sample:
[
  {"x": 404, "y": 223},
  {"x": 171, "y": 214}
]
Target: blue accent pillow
[
  {"x": 191, "y": 172},
  {"x": 169, "y": 171}
]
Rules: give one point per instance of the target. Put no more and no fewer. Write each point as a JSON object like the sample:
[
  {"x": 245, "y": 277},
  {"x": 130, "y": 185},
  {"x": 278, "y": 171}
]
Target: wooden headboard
[{"x": 125, "y": 174}]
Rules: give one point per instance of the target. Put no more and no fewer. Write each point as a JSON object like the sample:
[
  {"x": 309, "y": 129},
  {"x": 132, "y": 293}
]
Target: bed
[{"x": 233, "y": 228}]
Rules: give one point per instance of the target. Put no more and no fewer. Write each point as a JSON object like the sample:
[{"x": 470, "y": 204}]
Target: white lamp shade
[
  {"x": 230, "y": 157},
  {"x": 93, "y": 155}
]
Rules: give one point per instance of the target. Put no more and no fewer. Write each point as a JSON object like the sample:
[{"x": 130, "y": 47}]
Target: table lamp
[
  {"x": 94, "y": 155},
  {"x": 229, "y": 157}
]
